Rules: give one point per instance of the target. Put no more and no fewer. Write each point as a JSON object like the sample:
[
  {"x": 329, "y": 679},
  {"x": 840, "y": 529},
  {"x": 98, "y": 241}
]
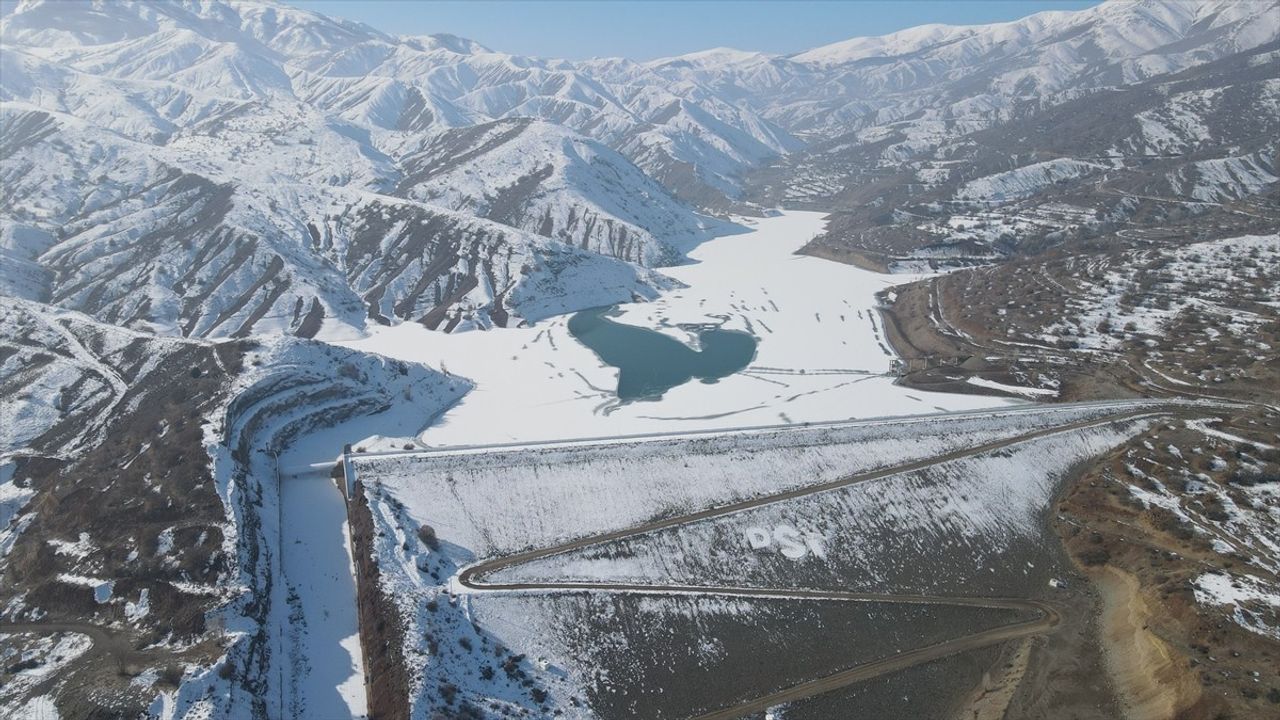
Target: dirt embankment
[
  {"x": 1149, "y": 643},
  {"x": 990, "y": 700},
  {"x": 1166, "y": 654},
  {"x": 848, "y": 256},
  {"x": 381, "y": 636},
  {"x": 1153, "y": 682},
  {"x": 942, "y": 348}
]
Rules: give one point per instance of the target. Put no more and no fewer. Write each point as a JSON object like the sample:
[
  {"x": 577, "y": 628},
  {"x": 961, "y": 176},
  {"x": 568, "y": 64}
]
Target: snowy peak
[
  {"x": 899, "y": 43},
  {"x": 262, "y": 51},
  {"x": 966, "y": 77},
  {"x": 1117, "y": 28},
  {"x": 284, "y": 29},
  {"x": 450, "y": 43},
  {"x": 713, "y": 58}
]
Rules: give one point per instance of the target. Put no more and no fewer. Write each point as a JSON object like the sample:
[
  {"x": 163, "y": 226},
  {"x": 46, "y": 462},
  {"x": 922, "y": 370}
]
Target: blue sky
[{"x": 577, "y": 29}]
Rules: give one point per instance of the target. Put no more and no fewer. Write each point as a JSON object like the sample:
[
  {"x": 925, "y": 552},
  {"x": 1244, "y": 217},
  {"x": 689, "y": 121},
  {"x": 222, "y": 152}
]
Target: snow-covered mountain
[
  {"x": 252, "y": 51},
  {"x": 176, "y": 166},
  {"x": 185, "y": 182},
  {"x": 1197, "y": 143},
  {"x": 943, "y": 78},
  {"x": 549, "y": 180},
  {"x": 239, "y": 166},
  {"x": 98, "y": 223}
]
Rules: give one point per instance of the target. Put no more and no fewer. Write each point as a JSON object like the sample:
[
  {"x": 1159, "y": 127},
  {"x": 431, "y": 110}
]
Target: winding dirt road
[
  {"x": 106, "y": 641},
  {"x": 107, "y": 645},
  {"x": 1046, "y": 617}
]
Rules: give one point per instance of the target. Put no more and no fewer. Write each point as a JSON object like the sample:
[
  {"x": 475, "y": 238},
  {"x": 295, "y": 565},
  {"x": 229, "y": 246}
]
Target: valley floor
[{"x": 821, "y": 355}]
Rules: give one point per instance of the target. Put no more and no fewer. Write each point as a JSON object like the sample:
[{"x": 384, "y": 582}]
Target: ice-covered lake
[{"x": 820, "y": 354}]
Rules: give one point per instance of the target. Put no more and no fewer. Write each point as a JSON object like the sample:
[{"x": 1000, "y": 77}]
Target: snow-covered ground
[
  {"x": 34, "y": 661},
  {"x": 1251, "y": 597},
  {"x": 1015, "y": 389},
  {"x": 1215, "y": 278},
  {"x": 1024, "y": 181},
  {"x": 880, "y": 536},
  {"x": 821, "y": 353},
  {"x": 13, "y": 497},
  {"x": 493, "y": 502},
  {"x": 906, "y": 532}
]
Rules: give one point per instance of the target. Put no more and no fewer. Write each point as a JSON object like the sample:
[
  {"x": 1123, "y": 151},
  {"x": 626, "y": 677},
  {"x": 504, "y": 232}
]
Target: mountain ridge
[{"x": 608, "y": 162}]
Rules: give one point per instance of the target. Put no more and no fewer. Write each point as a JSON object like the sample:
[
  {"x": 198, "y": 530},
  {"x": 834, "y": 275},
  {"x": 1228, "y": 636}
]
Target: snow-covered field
[{"x": 821, "y": 354}]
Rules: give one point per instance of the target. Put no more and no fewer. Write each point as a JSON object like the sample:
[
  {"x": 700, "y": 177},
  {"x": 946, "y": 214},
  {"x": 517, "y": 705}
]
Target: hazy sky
[{"x": 577, "y": 29}]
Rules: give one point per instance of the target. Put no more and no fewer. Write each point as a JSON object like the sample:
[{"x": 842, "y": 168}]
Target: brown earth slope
[{"x": 1158, "y": 520}]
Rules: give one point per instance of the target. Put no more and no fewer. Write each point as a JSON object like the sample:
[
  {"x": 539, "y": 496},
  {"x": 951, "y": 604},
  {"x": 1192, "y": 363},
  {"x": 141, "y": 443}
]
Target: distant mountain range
[{"x": 226, "y": 168}]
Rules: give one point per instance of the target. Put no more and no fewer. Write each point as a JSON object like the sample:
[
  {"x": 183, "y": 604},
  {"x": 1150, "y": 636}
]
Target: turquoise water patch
[{"x": 650, "y": 363}]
